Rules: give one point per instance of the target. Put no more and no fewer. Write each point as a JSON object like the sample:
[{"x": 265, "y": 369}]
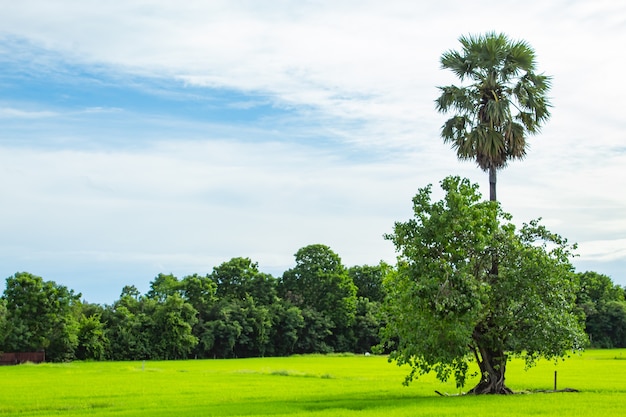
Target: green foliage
[
  {"x": 447, "y": 304},
  {"x": 604, "y": 308},
  {"x": 314, "y": 336},
  {"x": 502, "y": 81},
  {"x": 598, "y": 288},
  {"x": 199, "y": 291},
  {"x": 320, "y": 282},
  {"x": 504, "y": 102},
  {"x": 171, "y": 326},
  {"x": 93, "y": 343},
  {"x": 367, "y": 325},
  {"x": 163, "y": 286},
  {"x": 3, "y": 322},
  {"x": 369, "y": 280},
  {"x": 240, "y": 278},
  {"x": 40, "y": 315},
  {"x": 128, "y": 329},
  {"x": 286, "y": 327},
  {"x": 157, "y": 326}
]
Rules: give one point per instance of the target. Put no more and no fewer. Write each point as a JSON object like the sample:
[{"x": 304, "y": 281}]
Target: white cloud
[
  {"x": 197, "y": 199},
  {"x": 603, "y": 250},
  {"x": 12, "y": 113}
]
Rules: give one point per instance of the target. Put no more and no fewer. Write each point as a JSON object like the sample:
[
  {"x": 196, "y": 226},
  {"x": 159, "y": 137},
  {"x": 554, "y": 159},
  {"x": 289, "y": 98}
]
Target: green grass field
[{"x": 302, "y": 385}]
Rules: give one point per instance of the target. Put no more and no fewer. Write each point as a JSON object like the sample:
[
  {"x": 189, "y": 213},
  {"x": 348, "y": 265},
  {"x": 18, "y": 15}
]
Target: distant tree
[
  {"x": 131, "y": 292},
  {"x": 446, "y": 307},
  {"x": 238, "y": 329},
  {"x": 3, "y": 322},
  {"x": 598, "y": 288},
  {"x": 171, "y": 329},
  {"x": 315, "y": 335},
  {"x": 370, "y": 294},
  {"x": 240, "y": 278},
  {"x": 604, "y": 307},
  {"x": 367, "y": 325},
  {"x": 255, "y": 336},
  {"x": 287, "y": 323},
  {"x": 158, "y": 325},
  {"x": 199, "y": 291},
  {"x": 320, "y": 281},
  {"x": 129, "y": 321},
  {"x": 40, "y": 315},
  {"x": 93, "y": 343},
  {"x": 223, "y": 330},
  {"x": 607, "y": 326},
  {"x": 504, "y": 103},
  {"x": 369, "y": 280},
  {"x": 163, "y": 286}
]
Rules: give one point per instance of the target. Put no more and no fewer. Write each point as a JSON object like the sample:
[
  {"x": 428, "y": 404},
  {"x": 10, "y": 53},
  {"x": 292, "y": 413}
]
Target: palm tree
[{"x": 503, "y": 104}]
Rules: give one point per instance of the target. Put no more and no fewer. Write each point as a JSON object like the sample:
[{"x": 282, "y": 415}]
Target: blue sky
[{"x": 142, "y": 137}]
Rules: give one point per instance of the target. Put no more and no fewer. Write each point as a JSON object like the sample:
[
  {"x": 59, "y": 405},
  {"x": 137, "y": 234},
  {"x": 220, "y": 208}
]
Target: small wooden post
[{"x": 555, "y": 380}]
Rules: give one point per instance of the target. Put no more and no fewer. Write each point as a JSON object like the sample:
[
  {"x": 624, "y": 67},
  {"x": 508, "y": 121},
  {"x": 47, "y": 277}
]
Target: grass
[{"x": 302, "y": 385}]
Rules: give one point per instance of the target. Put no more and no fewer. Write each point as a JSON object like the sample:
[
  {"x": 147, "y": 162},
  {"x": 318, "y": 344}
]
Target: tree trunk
[
  {"x": 492, "y": 368},
  {"x": 492, "y": 184},
  {"x": 492, "y": 363}
]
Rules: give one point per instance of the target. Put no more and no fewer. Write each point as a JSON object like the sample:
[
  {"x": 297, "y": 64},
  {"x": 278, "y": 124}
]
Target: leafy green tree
[
  {"x": 240, "y": 321},
  {"x": 171, "y": 329},
  {"x": 256, "y": 329},
  {"x": 40, "y": 315},
  {"x": 321, "y": 282},
  {"x": 370, "y": 295},
  {"x": 163, "y": 286},
  {"x": 199, "y": 291},
  {"x": 369, "y": 280},
  {"x": 287, "y": 323},
  {"x": 240, "y": 278},
  {"x": 158, "y": 325},
  {"x": 504, "y": 102},
  {"x": 223, "y": 330},
  {"x": 598, "y": 288},
  {"x": 606, "y": 327},
  {"x": 129, "y": 323},
  {"x": 367, "y": 325},
  {"x": 446, "y": 307},
  {"x": 130, "y": 292},
  {"x": 604, "y": 307},
  {"x": 93, "y": 343},
  {"x": 315, "y": 334},
  {"x": 238, "y": 329}
]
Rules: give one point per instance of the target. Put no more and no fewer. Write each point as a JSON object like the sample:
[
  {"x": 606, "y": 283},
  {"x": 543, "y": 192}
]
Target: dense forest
[{"x": 318, "y": 306}]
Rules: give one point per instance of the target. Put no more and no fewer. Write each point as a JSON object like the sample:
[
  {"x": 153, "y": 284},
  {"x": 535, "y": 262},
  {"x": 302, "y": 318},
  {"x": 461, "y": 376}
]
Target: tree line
[{"x": 318, "y": 306}]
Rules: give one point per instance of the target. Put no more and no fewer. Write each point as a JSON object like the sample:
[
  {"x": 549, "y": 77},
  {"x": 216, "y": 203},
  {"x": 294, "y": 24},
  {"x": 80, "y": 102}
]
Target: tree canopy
[
  {"x": 39, "y": 315},
  {"x": 446, "y": 307},
  {"x": 604, "y": 307}
]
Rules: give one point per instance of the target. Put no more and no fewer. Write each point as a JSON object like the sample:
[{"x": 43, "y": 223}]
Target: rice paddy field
[{"x": 341, "y": 385}]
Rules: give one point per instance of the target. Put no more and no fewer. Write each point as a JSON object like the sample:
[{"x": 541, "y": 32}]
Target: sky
[{"x": 142, "y": 137}]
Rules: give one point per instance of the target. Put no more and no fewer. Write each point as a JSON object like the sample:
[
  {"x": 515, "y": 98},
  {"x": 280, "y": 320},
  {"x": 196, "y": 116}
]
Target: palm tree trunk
[{"x": 492, "y": 184}]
